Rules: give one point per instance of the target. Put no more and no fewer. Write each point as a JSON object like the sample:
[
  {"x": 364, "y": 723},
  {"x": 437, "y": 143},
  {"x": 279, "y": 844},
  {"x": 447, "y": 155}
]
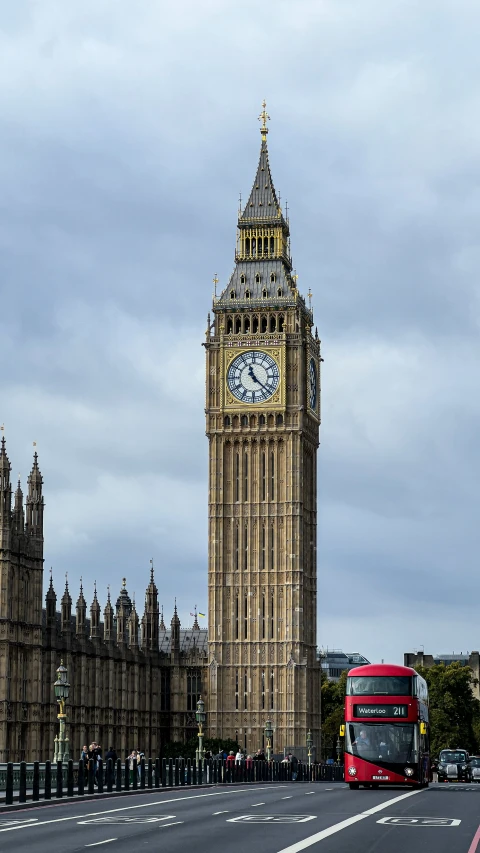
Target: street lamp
[
  {"x": 339, "y": 750},
  {"x": 268, "y": 736},
  {"x": 200, "y": 717},
  {"x": 309, "y": 747},
  {"x": 62, "y": 688}
]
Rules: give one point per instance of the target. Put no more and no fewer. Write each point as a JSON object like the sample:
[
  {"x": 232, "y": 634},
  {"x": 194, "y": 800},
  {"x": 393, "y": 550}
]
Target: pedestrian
[
  {"x": 132, "y": 763},
  {"x": 84, "y": 758},
  {"x": 111, "y": 754},
  {"x": 231, "y": 759},
  {"x": 239, "y": 758},
  {"x": 249, "y": 762},
  {"x": 294, "y": 764}
]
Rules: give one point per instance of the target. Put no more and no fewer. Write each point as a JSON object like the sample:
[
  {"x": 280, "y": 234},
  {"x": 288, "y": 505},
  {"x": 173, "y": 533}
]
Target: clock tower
[{"x": 262, "y": 424}]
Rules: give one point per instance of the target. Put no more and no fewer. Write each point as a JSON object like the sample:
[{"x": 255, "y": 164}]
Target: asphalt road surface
[{"x": 274, "y": 818}]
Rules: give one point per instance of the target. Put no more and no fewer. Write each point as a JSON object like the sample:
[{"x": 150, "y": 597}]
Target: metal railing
[{"x": 35, "y": 781}]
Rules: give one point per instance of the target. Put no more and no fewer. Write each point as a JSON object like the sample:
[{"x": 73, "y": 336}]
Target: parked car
[
  {"x": 475, "y": 768},
  {"x": 454, "y": 766}
]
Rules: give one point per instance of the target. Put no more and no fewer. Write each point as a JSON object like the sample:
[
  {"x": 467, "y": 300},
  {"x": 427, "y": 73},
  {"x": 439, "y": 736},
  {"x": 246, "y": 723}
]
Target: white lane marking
[
  {"x": 142, "y": 806},
  {"x": 224, "y": 812},
  {"x": 337, "y": 827},
  {"x": 100, "y": 842},
  {"x": 256, "y": 804},
  {"x": 310, "y": 792},
  {"x": 171, "y": 824},
  {"x": 329, "y": 789},
  {"x": 286, "y": 798}
]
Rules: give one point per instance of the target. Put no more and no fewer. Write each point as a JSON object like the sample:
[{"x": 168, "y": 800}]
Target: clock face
[
  {"x": 253, "y": 377},
  {"x": 313, "y": 384}
]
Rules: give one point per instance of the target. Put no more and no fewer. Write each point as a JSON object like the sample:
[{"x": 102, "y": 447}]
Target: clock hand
[{"x": 252, "y": 376}]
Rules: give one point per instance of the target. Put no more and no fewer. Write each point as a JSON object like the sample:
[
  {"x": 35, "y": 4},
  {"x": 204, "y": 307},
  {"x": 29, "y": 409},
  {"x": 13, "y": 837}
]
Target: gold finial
[
  {"x": 215, "y": 282},
  {"x": 124, "y": 582},
  {"x": 2, "y": 427},
  {"x": 310, "y": 294},
  {"x": 34, "y": 443},
  {"x": 264, "y": 117}
]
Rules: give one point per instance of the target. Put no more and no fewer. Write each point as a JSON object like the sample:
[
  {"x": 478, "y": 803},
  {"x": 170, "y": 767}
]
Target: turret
[
  {"x": 163, "y": 627},
  {"x": 81, "y": 613},
  {"x": 35, "y": 505},
  {"x": 108, "y": 621},
  {"x": 51, "y": 604},
  {"x": 18, "y": 513},
  {"x": 133, "y": 628},
  {"x": 95, "y": 615},
  {"x": 66, "y": 605},
  {"x": 175, "y": 635},
  {"x": 123, "y": 608},
  {"x": 151, "y": 614},
  {"x": 5, "y": 487}
]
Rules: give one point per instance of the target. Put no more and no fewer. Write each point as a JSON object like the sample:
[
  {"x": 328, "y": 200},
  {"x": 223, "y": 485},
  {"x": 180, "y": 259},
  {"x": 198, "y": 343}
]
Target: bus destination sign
[{"x": 380, "y": 710}]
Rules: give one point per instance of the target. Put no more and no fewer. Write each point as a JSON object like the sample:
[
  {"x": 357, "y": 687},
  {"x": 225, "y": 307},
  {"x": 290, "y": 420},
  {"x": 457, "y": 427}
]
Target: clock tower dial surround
[{"x": 262, "y": 423}]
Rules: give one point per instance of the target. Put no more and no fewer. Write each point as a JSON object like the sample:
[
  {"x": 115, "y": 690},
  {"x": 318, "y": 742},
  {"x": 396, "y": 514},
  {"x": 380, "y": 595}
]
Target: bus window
[{"x": 379, "y": 685}]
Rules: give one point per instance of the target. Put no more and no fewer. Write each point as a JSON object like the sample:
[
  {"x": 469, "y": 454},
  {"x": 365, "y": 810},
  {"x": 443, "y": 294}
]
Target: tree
[
  {"x": 333, "y": 711},
  {"x": 454, "y": 711}
]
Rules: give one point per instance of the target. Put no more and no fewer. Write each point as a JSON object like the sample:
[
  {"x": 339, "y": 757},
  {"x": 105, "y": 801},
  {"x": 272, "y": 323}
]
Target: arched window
[
  {"x": 254, "y": 246},
  {"x": 264, "y": 324},
  {"x": 273, "y": 323},
  {"x": 235, "y": 421},
  {"x": 273, "y": 277},
  {"x": 260, "y": 246},
  {"x": 255, "y": 325},
  {"x": 246, "y": 324},
  {"x": 263, "y": 616},
  {"x": 247, "y": 294},
  {"x": 253, "y": 421},
  {"x": 242, "y": 279},
  {"x": 247, "y": 246},
  {"x": 244, "y": 420},
  {"x": 226, "y": 420},
  {"x": 279, "y": 420},
  {"x": 264, "y": 292},
  {"x": 232, "y": 294},
  {"x": 272, "y": 245},
  {"x": 279, "y": 291},
  {"x": 272, "y": 617},
  {"x": 257, "y": 278},
  {"x": 281, "y": 323},
  {"x": 229, "y": 326},
  {"x": 261, "y": 420}
]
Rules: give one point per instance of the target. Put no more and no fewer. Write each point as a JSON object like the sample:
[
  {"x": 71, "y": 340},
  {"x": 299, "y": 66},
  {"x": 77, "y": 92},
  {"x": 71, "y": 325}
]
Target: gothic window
[
  {"x": 272, "y": 548},
  {"x": 263, "y": 548},
  {"x": 271, "y": 690},
  {"x": 247, "y": 321},
  {"x": 272, "y": 476},
  {"x": 194, "y": 688},
  {"x": 261, "y": 420},
  {"x": 255, "y": 325},
  {"x": 273, "y": 323},
  {"x": 245, "y": 549},
  {"x": 281, "y": 323},
  {"x": 247, "y": 246},
  {"x": 237, "y": 476},
  {"x": 264, "y": 291},
  {"x": 263, "y": 617},
  {"x": 232, "y": 294},
  {"x": 237, "y": 550},
  {"x": 226, "y": 420},
  {"x": 245, "y": 619},
  {"x": 263, "y": 689},
  {"x": 245, "y": 690},
  {"x": 272, "y": 617},
  {"x": 229, "y": 326},
  {"x": 245, "y": 474},
  {"x": 273, "y": 277},
  {"x": 257, "y": 278},
  {"x": 236, "y": 617},
  {"x": 254, "y": 246},
  {"x": 244, "y": 420},
  {"x": 253, "y": 421},
  {"x": 264, "y": 475},
  {"x": 236, "y": 689},
  {"x": 238, "y": 325},
  {"x": 242, "y": 279},
  {"x": 279, "y": 291},
  {"x": 272, "y": 245},
  {"x": 260, "y": 246},
  {"x": 279, "y": 420},
  {"x": 235, "y": 421},
  {"x": 264, "y": 324},
  {"x": 247, "y": 294}
]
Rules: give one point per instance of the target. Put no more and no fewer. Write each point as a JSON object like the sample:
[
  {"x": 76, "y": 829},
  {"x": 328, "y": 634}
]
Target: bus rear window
[{"x": 379, "y": 685}]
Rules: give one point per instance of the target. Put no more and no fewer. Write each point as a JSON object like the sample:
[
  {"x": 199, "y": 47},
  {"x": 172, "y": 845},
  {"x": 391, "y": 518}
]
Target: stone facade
[
  {"x": 133, "y": 683},
  {"x": 262, "y": 423}
]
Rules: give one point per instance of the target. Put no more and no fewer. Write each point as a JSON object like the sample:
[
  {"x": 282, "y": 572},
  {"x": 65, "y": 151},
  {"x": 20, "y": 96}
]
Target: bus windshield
[
  {"x": 379, "y": 685},
  {"x": 394, "y": 742}
]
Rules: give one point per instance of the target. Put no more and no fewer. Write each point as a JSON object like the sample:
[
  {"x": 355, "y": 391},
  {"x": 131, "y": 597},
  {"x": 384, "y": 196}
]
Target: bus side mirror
[
  {"x": 342, "y": 731},
  {"x": 423, "y": 728}
]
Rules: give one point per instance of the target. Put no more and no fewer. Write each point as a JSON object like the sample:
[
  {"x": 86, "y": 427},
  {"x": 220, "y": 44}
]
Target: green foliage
[
  {"x": 333, "y": 710},
  {"x": 177, "y": 749},
  {"x": 454, "y": 711}
]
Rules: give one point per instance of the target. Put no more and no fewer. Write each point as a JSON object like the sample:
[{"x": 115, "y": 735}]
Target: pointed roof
[
  {"x": 51, "y": 595},
  {"x": 162, "y": 621},
  {"x": 124, "y": 599},
  {"x": 4, "y": 460},
  {"x": 175, "y": 619},
  {"x": 108, "y": 606},
  {"x": 81, "y": 598},
  {"x": 35, "y": 474},
  {"x": 66, "y": 597},
  {"x": 263, "y": 203},
  {"x": 196, "y": 626},
  {"x": 95, "y": 603},
  {"x": 18, "y": 496}
]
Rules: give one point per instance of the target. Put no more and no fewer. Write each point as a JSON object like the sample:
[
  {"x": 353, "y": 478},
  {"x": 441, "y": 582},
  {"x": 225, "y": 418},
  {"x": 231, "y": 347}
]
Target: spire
[
  {"x": 163, "y": 627},
  {"x": 133, "y": 628},
  {"x": 18, "y": 513},
  {"x": 175, "y": 632},
  {"x": 263, "y": 266},
  {"x": 66, "y": 608},
  {"x": 81, "y": 613},
  {"x": 151, "y": 614},
  {"x": 196, "y": 626},
  {"x": 108, "y": 620},
  {"x": 123, "y": 608},
  {"x": 35, "y": 504},
  {"x": 51, "y": 603},
  {"x": 95, "y": 615},
  {"x": 5, "y": 486}
]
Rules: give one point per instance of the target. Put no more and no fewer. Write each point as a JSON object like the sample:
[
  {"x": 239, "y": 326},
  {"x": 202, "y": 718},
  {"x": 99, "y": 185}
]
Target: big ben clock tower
[{"x": 262, "y": 423}]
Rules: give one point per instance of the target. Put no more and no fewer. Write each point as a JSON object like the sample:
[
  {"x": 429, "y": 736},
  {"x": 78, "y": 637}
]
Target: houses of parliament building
[{"x": 134, "y": 682}]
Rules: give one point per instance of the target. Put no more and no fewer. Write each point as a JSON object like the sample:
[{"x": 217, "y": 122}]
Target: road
[{"x": 278, "y": 818}]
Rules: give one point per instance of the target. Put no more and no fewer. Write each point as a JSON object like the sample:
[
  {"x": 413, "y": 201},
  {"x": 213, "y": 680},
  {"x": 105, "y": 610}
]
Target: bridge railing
[{"x": 35, "y": 781}]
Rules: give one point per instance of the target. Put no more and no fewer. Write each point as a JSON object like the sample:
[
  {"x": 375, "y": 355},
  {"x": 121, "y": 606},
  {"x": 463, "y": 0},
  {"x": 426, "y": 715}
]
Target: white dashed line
[
  {"x": 286, "y": 798},
  {"x": 256, "y": 804},
  {"x": 225, "y": 812},
  {"x": 100, "y": 842},
  {"x": 171, "y": 824},
  {"x": 314, "y": 792}
]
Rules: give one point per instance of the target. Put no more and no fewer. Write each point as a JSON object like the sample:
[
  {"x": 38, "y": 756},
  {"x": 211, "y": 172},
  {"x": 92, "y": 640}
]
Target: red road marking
[{"x": 475, "y": 840}]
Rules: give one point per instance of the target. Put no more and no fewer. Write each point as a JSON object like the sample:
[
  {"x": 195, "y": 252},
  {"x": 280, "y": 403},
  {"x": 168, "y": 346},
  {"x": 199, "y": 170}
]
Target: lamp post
[
  {"x": 200, "y": 716},
  {"x": 339, "y": 750},
  {"x": 309, "y": 747},
  {"x": 62, "y": 688},
  {"x": 268, "y": 737}
]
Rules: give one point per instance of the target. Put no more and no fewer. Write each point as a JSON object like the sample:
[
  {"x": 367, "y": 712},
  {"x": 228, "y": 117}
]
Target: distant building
[
  {"x": 472, "y": 660},
  {"x": 334, "y": 662}
]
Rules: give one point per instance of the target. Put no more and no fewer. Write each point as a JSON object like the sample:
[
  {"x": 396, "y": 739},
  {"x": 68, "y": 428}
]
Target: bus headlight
[
  {"x": 408, "y": 771},
  {"x": 352, "y": 771}
]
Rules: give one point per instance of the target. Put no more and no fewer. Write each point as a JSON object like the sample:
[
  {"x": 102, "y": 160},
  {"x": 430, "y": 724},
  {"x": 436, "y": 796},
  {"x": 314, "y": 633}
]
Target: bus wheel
[{"x": 353, "y": 786}]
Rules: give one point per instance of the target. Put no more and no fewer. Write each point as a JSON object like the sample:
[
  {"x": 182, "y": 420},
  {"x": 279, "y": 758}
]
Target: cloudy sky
[{"x": 128, "y": 131}]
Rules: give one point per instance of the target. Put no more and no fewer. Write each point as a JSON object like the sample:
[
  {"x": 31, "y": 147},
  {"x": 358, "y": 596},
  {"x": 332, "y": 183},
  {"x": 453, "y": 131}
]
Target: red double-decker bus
[{"x": 386, "y": 727}]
